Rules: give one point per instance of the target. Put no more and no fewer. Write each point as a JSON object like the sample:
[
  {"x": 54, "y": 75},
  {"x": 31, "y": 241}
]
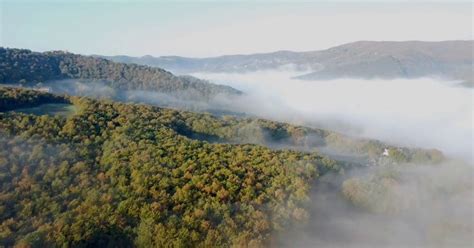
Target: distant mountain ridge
[{"x": 450, "y": 60}]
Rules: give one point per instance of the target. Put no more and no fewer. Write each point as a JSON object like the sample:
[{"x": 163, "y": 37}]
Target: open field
[{"x": 61, "y": 109}]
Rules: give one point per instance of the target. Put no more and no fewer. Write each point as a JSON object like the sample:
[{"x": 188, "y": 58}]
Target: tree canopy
[{"x": 123, "y": 175}]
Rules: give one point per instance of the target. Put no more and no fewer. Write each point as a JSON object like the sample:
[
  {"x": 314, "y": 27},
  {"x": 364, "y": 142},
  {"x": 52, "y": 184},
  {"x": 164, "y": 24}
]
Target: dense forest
[
  {"x": 21, "y": 66},
  {"x": 123, "y": 175}
]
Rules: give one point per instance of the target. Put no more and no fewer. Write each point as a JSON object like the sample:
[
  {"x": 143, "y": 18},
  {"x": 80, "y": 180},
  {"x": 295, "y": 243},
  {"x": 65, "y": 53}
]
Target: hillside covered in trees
[
  {"x": 21, "y": 66},
  {"x": 123, "y": 175},
  {"x": 119, "y": 175}
]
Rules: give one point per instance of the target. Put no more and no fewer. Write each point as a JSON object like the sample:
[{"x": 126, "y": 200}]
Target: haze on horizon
[{"x": 202, "y": 29}]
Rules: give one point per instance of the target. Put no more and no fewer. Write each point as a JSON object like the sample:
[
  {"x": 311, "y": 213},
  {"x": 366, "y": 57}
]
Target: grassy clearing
[{"x": 61, "y": 109}]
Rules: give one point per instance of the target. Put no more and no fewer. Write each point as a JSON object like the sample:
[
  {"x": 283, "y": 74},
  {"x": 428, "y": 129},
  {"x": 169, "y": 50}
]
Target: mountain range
[{"x": 449, "y": 60}]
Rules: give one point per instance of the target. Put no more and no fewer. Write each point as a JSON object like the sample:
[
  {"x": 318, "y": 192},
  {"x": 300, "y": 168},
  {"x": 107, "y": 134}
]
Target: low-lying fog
[
  {"x": 427, "y": 113},
  {"x": 414, "y": 205}
]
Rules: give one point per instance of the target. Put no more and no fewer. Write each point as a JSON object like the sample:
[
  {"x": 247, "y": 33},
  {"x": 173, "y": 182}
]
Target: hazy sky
[{"x": 203, "y": 28}]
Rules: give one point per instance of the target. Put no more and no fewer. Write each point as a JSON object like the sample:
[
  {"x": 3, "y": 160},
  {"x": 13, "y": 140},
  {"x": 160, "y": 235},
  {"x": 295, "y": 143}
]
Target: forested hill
[
  {"x": 122, "y": 175},
  {"x": 20, "y": 66}
]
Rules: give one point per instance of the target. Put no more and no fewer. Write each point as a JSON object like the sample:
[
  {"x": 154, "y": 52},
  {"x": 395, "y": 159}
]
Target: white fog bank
[{"x": 425, "y": 112}]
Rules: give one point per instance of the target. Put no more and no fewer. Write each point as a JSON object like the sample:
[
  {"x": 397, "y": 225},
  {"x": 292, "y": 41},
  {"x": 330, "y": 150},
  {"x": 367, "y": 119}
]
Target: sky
[{"x": 211, "y": 28}]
